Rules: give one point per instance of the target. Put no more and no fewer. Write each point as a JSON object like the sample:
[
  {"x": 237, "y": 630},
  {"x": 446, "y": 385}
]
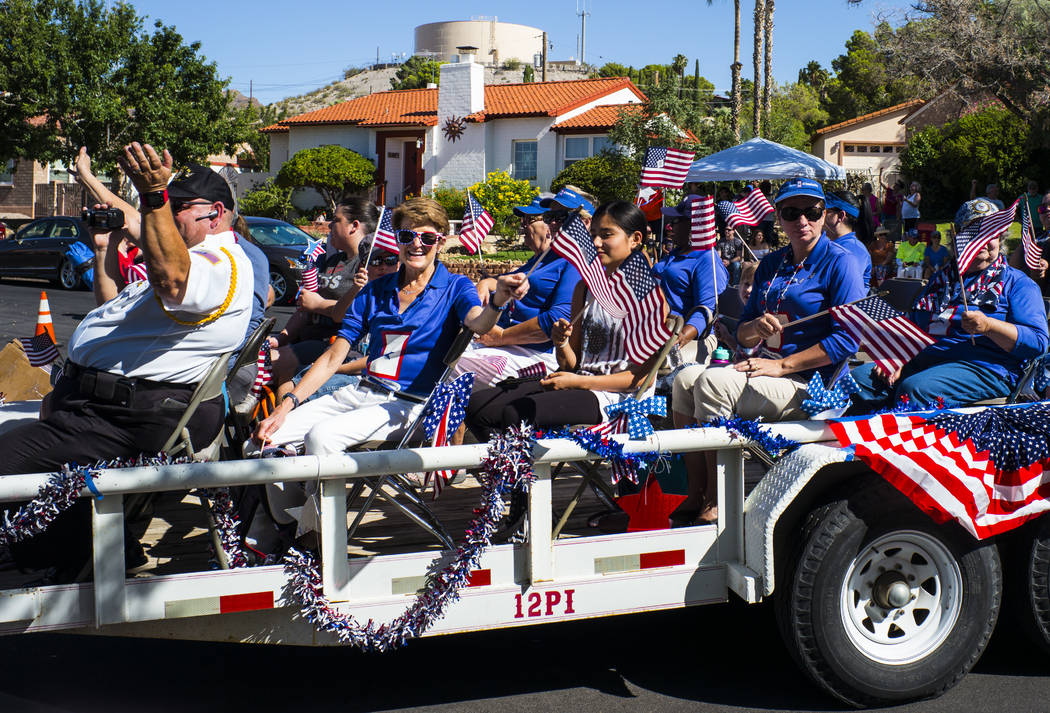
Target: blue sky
[{"x": 288, "y": 48}]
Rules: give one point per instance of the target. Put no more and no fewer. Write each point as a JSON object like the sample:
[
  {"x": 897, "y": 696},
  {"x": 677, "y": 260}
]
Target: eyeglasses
[
  {"x": 791, "y": 213},
  {"x": 530, "y": 219},
  {"x": 387, "y": 260},
  {"x": 555, "y": 216},
  {"x": 407, "y": 237},
  {"x": 178, "y": 206},
  {"x": 1044, "y": 209}
]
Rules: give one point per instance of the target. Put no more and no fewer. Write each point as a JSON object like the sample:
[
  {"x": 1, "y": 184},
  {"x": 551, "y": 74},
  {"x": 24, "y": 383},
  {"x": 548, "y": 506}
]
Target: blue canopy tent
[{"x": 759, "y": 159}]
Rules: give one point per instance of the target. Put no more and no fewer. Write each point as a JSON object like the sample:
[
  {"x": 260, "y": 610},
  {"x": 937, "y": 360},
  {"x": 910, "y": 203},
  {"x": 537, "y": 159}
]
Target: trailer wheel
[
  {"x": 1030, "y": 583},
  {"x": 882, "y": 605}
]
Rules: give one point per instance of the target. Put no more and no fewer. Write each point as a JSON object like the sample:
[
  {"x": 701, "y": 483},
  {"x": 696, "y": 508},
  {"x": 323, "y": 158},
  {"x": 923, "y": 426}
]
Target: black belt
[
  {"x": 114, "y": 388},
  {"x": 375, "y": 387}
]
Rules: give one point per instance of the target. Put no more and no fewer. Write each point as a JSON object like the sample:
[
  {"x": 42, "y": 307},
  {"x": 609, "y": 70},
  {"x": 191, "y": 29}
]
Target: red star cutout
[{"x": 649, "y": 509}]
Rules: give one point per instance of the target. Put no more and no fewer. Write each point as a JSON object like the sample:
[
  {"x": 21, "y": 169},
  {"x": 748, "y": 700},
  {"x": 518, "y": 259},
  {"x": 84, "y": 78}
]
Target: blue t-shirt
[
  {"x": 689, "y": 280},
  {"x": 936, "y": 257},
  {"x": 860, "y": 254},
  {"x": 826, "y": 278},
  {"x": 409, "y": 349},
  {"x": 549, "y": 297},
  {"x": 260, "y": 284},
  {"x": 1020, "y": 304}
]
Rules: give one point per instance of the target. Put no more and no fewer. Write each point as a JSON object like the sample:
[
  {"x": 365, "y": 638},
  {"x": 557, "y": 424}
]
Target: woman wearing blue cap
[
  {"x": 849, "y": 224},
  {"x": 809, "y": 275},
  {"x": 982, "y": 345}
]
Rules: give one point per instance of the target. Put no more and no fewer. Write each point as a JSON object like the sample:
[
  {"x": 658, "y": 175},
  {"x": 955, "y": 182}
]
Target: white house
[
  {"x": 457, "y": 133},
  {"x": 869, "y": 144}
]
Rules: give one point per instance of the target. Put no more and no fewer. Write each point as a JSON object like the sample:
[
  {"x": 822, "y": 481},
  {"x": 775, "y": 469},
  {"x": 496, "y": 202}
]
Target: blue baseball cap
[
  {"x": 683, "y": 209},
  {"x": 835, "y": 203},
  {"x": 534, "y": 208},
  {"x": 569, "y": 199},
  {"x": 800, "y": 186}
]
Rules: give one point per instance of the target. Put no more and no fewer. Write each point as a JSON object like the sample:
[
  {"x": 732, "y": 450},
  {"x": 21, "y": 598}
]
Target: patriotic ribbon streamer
[
  {"x": 637, "y": 412},
  {"x": 834, "y": 399}
]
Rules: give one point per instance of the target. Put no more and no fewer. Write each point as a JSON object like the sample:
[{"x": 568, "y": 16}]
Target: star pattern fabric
[
  {"x": 826, "y": 403},
  {"x": 445, "y": 412},
  {"x": 637, "y": 412}
]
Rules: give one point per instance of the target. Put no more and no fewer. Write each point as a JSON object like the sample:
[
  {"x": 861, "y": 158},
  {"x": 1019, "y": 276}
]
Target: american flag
[
  {"x": 666, "y": 168},
  {"x": 445, "y": 413},
  {"x": 137, "y": 272},
  {"x": 533, "y": 371},
  {"x": 310, "y": 278},
  {"x": 384, "y": 237},
  {"x": 650, "y": 200},
  {"x": 889, "y": 337},
  {"x": 314, "y": 250},
  {"x": 1032, "y": 252},
  {"x": 263, "y": 371},
  {"x": 702, "y": 232},
  {"x": 986, "y": 470},
  {"x": 40, "y": 350},
  {"x": 638, "y": 295},
  {"x": 980, "y": 232},
  {"x": 476, "y": 225},
  {"x": 573, "y": 242},
  {"x": 606, "y": 429},
  {"x": 749, "y": 210}
]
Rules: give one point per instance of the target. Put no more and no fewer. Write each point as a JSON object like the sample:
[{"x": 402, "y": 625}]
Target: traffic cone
[{"x": 43, "y": 319}]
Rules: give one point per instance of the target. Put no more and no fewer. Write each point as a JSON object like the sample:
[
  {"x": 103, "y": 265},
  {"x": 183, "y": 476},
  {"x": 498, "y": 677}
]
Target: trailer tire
[
  {"x": 910, "y": 630},
  {"x": 1030, "y": 584}
]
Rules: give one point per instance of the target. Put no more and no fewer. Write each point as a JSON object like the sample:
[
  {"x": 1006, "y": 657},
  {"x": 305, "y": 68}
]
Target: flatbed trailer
[{"x": 876, "y": 602}]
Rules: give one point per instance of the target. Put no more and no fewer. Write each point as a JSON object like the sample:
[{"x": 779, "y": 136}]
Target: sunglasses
[
  {"x": 1044, "y": 209},
  {"x": 555, "y": 217},
  {"x": 791, "y": 213},
  {"x": 384, "y": 260},
  {"x": 407, "y": 237},
  {"x": 529, "y": 220},
  {"x": 178, "y": 206}
]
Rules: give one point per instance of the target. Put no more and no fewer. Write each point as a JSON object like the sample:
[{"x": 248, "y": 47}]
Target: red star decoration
[{"x": 649, "y": 509}]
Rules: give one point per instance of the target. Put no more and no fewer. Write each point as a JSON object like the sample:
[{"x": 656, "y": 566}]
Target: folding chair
[{"x": 239, "y": 416}]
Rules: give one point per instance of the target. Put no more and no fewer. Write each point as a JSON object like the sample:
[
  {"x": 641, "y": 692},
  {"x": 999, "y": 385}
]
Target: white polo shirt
[{"x": 134, "y": 335}]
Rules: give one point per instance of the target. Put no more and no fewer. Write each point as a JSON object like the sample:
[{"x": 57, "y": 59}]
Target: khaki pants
[
  {"x": 724, "y": 391},
  {"x": 682, "y": 388}
]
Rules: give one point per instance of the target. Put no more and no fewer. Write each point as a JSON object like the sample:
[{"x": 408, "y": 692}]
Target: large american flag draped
[
  {"x": 979, "y": 233},
  {"x": 749, "y": 210},
  {"x": 573, "y": 242},
  {"x": 384, "y": 237},
  {"x": 702, "y": 233},
  {"x": 1032, "y": 252},
  {"x": 638, "y": 294},
  {"x": 666, "y": 168},
  {"x": 888, "y": 336},
  {"x": 476, "y": 225},
  {"x": 40, "y": 350},
  {"x": 986, "y": 470},
  {"x": 445, "y": 411}
]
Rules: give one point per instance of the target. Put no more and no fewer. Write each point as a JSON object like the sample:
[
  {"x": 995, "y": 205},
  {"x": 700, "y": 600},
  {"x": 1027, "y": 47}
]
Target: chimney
[
  {"x": 467, "y": 53},
  {"x": 462, "y": 88}
]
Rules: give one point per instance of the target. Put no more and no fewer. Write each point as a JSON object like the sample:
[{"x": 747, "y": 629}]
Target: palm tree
[
  {"x": 767, "y": 79},
  {"x": 735, "y": 99},
  {"x": 760, "y": 16}
]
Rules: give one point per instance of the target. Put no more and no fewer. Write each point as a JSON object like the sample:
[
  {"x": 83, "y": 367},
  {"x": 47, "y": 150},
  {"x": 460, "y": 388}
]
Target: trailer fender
[{"x": 782, "y": 486}]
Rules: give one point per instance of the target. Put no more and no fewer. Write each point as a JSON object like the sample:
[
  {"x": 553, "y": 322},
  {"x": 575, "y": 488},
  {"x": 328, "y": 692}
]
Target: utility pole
[
  {"x": 545, "y": 56},
  {"x": 377, "y": 55},
  {"x": 250, "y": 82},
  {"x": 583, "y": 31}
]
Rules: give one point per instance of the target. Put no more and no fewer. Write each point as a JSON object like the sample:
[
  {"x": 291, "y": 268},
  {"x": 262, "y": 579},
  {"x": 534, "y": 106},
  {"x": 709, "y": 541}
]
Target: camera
[{"x": 103, "y": 218}]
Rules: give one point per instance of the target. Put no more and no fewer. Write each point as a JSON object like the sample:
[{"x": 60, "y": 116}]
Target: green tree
[
  {"x": 865, "y": 81},
  {"x": 815, "y": 76},
  {"x": 87, "y": 74},
  {"x": 528, "y": 74},
  {"x": 268, "y": 200},
  {"x": 330, "y": 170},
  {"x": 416, "y": 73},
  {"x": 614, "y": 69},
  {"x": 607, "y": 176},
  {"x": 659, "y": 121}
]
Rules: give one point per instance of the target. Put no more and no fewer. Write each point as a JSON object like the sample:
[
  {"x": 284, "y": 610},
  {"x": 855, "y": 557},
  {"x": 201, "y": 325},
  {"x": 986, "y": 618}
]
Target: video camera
[{"x": 103, "y": 218}]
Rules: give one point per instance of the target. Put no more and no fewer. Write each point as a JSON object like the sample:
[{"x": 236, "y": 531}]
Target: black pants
[
  {"x": 82, "y": 430},
  {"x": 494, "y": 408}
]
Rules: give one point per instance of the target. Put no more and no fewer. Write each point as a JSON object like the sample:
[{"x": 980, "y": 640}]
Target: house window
[
  {"x": 7, "y": 173},
  {"x": 862, "y": 149},
  {"x": 850, "y": 148},
  {"x": 887, "y": 149},
  {"x": 525, "y": 160},
  {"x": 602, "y": 143},
  {"x": 576, "y": 148}
]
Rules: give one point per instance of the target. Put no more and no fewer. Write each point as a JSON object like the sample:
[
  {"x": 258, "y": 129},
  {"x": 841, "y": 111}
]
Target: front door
[{"x": 410, "y": 160}]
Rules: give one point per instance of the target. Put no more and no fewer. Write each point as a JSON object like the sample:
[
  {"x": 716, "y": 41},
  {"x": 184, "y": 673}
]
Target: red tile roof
[
  {"x": 274, "y": 129},
  {"x": 418, "y": 107},
  {"x": 873, "y": 115},
  {"x": 599, "y": 117}
]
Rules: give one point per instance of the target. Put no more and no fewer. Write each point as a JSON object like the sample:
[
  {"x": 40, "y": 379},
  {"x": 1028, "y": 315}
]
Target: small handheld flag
[
  {"x": 476, "y": 225},
  {"x": 573, "y": 242},
  {"x": 702, "y": 232},
  {"x": 979, "y": 233},
  {"x": 666, "y": 168}
]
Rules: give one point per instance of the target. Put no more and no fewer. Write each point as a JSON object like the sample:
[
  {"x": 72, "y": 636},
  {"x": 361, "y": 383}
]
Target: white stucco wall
[
  {"x": 355, "y": 138},
  {"x": 875, "y": 133},
  {"x": 278, "y": 151},
  {"x": 459, "y": 163}
]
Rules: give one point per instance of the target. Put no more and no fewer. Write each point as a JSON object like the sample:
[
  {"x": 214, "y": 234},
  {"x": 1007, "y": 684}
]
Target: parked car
[
  {"x": 283, "y": 244},
  {"x": 38, "y": 249}
]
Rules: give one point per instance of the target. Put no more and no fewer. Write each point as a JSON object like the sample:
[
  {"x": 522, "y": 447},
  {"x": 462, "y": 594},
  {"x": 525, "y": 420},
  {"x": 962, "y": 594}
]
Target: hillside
[{"x": 378, "y": 80}]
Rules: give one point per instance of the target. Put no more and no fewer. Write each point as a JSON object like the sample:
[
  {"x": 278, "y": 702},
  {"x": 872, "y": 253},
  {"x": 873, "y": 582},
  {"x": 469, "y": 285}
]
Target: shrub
[
  {"x": 268, "y": 201},
  {"x": 499, "y": 193},
  {"x": 453, "y": 200},
  {"x": 608, "y": 176},
  {"x": 512, "y": 64},
  {"x": 330, "y": 170}
]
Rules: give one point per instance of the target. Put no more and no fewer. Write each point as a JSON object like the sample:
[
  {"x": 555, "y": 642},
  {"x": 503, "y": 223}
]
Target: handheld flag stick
[
  {"x": 962, "y": 282},
  {"x": 538, "y": 261},
  {"x": 827, "y": 311},
  {"x": 372, "y": 246}
]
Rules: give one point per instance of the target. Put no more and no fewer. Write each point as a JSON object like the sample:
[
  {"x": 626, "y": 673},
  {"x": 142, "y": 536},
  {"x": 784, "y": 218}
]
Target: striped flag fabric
[
  {"x": 665, "y": 168},
  {"x": 445, "y": 412},
  {"x": 1032, "y": 252},
  {"x": 986, "y": 470},
  {"x": 979, "y": 233},
  {"x": 749, "y": 210},
  {"x": 573, "y": 242},
  {"x": 310, "y": 277},
  {"x": 476, "y": 225},
  {"x": 314, "y": 250},
  {"x": 702, "y": 233},
  {"x": 536, "y": 370},
  {"x": 888, "y": 336},
  {"x": 637, "y": 293},
  {"x": 263, "y": 371},
  {"x": 605, "y": 430},
  {"x": 40, "y": 350},
  {"x": 137, "y": 272},
  {"x": 384, "y": 237}
]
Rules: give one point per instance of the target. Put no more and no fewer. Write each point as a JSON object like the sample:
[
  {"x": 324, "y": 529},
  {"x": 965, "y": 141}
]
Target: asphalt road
[{"x": 715, "y": 658}]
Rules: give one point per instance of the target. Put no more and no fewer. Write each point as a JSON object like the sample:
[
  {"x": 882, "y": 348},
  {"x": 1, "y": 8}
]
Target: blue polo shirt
[
  {"x": 260, "y": 284},
  {"x": 860, "y": 254},
  {"x": 829, "y": 276},
  {"x": 689, "y": 280},
  {"x": 408, "y": 349},
  {"x": 1021, "y": 304},
  {"x": 549, "y": 297},
  {"x": 936, "y": 257}
]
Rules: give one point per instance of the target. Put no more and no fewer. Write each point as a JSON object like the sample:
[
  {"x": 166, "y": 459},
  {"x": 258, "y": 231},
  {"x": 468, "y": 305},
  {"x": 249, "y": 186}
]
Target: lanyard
[{"x": 783, "y": 291}]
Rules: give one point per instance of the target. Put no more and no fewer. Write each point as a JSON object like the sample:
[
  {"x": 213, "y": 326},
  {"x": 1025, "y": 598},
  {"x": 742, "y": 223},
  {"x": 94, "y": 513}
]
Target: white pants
[
  {"x": 724, "y": 391},
  {"x": 494, "y": 364}
]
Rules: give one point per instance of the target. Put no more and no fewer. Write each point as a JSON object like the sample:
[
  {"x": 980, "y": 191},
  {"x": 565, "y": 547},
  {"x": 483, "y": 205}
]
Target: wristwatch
[
  {"x": 155, "y": 199},
  {"x": 293, "y": 397},
  {"x": 492, "y": 304}
]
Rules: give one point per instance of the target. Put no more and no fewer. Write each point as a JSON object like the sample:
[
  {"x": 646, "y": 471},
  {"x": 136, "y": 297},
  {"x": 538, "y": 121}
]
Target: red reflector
[
  {"x": 670, "y": 558},
  {"x": 245, "y": 602},
  {"x": 479, "y": 578}
]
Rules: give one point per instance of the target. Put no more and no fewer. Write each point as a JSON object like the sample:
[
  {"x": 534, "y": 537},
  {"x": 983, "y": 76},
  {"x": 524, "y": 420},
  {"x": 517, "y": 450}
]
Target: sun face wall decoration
[{"x": 453, "y": 128}]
